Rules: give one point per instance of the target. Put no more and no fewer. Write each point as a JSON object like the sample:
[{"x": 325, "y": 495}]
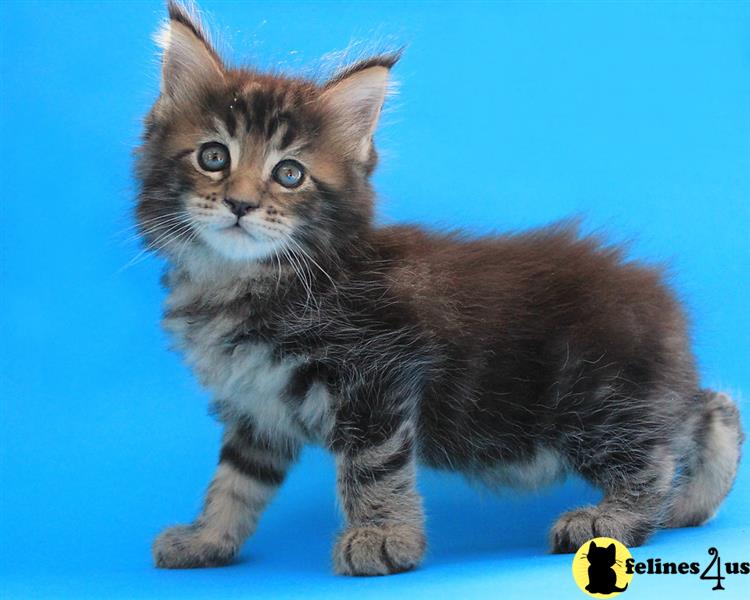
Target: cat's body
[
  {"x": 513, "y": 360},
  {"x": 600, "y": 327}
]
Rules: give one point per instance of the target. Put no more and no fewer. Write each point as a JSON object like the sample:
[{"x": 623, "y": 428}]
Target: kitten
[{"x": 513, "y": 359}]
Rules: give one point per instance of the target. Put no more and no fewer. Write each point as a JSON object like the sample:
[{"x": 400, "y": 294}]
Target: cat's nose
[{"x": 240, "y": 207}]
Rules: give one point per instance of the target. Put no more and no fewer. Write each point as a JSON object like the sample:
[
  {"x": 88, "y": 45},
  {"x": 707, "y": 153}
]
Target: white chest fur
[{"x": 248, "y": 379}]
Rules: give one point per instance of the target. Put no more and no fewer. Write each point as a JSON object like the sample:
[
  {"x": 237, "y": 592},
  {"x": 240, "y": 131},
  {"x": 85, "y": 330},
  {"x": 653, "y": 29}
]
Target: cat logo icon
[{"x": 599, "y": 568}]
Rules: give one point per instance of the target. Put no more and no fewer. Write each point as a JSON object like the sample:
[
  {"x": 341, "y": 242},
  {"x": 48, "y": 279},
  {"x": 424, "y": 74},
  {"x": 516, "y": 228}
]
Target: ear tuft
[
  {"x": 354, "y": 98},
  {"x": 189, "y": 61},
  {"x": 187, "y": 15},
  {"x": 387, "y": 61}
]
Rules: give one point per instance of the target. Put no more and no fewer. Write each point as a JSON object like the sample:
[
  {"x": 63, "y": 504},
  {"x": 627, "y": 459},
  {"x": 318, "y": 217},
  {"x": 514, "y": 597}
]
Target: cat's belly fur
[{"x": 543, "y": 468}]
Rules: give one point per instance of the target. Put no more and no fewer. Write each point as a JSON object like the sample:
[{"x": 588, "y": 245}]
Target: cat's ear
[
  {"x": 189, "y": 62},
  {"x": 592, "y": 546},
  {"x": 611, "y": 549},
  {"x": 353, "y": 100}
]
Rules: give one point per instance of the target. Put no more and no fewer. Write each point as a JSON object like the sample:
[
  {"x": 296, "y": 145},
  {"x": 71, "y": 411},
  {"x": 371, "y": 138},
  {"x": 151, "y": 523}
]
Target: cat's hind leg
[
  {"x": 634, "y": 505},
  {"x": 710, "y": 461}
]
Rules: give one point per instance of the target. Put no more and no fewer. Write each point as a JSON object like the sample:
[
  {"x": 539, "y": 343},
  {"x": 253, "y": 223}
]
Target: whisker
[
  {"x": 311, "y": 259},
  {"x": 144, "y": 224},
  {"x": 159, "y": 243}
]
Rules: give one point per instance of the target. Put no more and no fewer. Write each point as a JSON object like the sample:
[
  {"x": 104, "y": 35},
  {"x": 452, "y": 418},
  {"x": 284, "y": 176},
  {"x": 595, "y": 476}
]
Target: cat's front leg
[
  {"x": 249, "y": 472},
  {"x": 376, "y": 470}
]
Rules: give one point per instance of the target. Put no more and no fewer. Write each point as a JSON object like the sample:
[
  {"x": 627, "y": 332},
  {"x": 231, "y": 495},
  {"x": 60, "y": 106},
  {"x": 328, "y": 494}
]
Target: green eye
[
  {"x": 213, "y": 156},
  {"x": 289, "y": 173}
]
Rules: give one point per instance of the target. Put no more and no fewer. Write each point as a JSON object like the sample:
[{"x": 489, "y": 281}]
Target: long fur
[{"x": 512, "y": 359}]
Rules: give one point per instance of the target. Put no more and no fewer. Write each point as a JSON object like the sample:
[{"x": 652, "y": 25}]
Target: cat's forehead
[{"x": 261, "y": 109}]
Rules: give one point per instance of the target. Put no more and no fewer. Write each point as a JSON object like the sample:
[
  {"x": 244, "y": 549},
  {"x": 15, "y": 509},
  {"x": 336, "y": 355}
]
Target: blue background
[{"x": 634, "y": 115}]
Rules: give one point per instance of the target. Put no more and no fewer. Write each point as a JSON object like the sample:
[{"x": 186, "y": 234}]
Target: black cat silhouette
[{"x": 602, "y": 577}]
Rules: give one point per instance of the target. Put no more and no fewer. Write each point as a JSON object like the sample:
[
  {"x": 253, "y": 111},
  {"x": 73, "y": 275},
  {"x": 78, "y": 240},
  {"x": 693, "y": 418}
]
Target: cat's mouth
[{"x": 238, "y": 230}]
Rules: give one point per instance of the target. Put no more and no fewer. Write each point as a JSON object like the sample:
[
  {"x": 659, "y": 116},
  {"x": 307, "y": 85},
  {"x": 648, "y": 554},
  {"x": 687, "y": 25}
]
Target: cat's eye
[
  {"x": 213, "y": 156},
  {"x": 289, "y": 173}
]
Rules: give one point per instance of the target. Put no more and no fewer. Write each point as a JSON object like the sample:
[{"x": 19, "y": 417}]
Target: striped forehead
[{"x": 261, "y": 114}]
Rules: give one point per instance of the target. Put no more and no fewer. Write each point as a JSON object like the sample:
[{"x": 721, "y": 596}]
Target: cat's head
[
  {"x": 247, "y": 165},
  {"x": 601, "y": 556}
]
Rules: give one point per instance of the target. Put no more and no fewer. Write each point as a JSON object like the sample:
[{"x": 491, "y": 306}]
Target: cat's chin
[{"x": 238, "y": 245}]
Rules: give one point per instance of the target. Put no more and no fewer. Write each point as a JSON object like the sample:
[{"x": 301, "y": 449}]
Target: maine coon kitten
[{"x": 511, "y": 359}]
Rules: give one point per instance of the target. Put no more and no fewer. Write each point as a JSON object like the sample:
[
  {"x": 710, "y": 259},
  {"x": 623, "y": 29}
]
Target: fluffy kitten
[{"x": 511, "y": 359}]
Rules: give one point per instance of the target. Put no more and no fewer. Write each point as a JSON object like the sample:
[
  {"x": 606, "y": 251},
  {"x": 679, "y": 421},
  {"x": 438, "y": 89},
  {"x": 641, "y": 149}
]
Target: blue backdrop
[{"x": 634, "y": 115}]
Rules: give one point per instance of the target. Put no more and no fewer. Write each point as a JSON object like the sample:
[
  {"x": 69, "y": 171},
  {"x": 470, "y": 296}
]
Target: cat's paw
[
  {"x": 572, "y": 530},
  {"x": 576, "y": 527},
  {"x": 378, "y": 550},
  {"x": 191, "y": 547}
]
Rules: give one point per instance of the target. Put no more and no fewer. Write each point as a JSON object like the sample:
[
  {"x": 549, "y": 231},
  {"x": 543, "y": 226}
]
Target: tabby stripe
[
  {"x": 182, "y": 154},
  {"x": 241, "y": 107},
  {"x": 291, "y": 131},
  {"x": 238, "y": 498},
  {"x": 248, "y": 467},
  {"x": 397, "y": 461},
  {"x": 231, "y": 122},
  {"x": 302, "y": 380},
  {"x": 272, "y": 126},
  {"x": 260, "y": 106},
  {"x": 245, "y": 436}
]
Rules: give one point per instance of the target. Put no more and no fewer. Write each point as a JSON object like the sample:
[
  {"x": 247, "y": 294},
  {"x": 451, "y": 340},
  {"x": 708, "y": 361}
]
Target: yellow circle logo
[{"x": 599, "y": 568}]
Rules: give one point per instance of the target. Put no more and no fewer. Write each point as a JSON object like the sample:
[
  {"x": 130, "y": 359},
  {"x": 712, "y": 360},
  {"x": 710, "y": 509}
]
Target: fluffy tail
[{"x": 711, "y": 465}]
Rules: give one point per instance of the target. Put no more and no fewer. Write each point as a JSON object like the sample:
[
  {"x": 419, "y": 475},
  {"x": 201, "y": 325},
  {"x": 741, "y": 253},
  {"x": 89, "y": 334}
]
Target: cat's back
[
  {"x": 525, "y": 322},
  {"x": 550, "y": 275}
]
